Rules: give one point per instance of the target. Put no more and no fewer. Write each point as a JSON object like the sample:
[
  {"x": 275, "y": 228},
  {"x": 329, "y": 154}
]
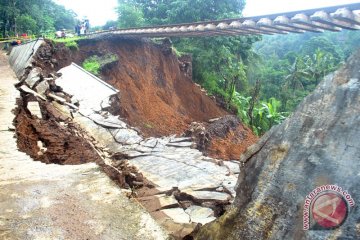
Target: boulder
[{"x": 316, "y": 147}]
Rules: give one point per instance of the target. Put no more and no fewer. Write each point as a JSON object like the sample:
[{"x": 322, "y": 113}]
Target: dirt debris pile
[
  {"x": 156, "y": 92},
  {"x": 224, "y": 138}
]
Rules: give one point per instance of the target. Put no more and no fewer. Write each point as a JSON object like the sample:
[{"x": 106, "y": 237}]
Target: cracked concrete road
[{"x": 39, "y": 201}]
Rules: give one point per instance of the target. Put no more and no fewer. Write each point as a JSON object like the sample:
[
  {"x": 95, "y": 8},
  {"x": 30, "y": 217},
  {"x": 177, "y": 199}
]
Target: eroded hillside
[{"x": 156, "y": 92}]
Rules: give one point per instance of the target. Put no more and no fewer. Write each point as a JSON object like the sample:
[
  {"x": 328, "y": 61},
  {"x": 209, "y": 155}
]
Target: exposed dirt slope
[
  {"x": 48, "y": 141},
  {"x": 157, "y": 94}
]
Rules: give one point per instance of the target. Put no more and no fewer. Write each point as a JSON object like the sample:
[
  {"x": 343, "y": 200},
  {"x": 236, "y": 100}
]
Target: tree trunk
[{"x": 253, "y": 100}]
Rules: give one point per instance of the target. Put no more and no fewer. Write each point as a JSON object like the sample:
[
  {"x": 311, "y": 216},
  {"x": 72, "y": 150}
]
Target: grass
[
  {"x": 177, "y": 52},
  {"x": 65, "y": 40},
  {"x": 148, "y": 125},
  {"x": 94, "y": 63},
  {"x": 72, "y": 45}
]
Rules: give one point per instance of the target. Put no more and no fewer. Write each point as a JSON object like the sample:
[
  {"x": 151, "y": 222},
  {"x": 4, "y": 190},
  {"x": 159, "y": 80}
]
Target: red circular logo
[{"x": 329, "y": 210}]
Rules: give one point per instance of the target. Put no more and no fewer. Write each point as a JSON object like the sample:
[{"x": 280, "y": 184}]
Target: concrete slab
[
  {"x": 178, "y": 215},
  {"x": 34, "y": 109},
  {"x": 208, "y": 195},
  {"x": 21, "y": 56},
  {"x": 200, "y": 214},
  {"x": 88, "y": 89}
]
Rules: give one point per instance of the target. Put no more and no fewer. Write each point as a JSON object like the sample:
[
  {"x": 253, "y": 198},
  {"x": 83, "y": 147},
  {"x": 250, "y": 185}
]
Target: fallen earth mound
[{"x": 156, "y": 92}]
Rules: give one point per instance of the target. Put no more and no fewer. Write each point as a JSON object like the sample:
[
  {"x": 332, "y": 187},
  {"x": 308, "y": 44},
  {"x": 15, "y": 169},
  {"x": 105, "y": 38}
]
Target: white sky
[
  {"x": 264, "y": 7},
  {"x": 100, "y": 11}
]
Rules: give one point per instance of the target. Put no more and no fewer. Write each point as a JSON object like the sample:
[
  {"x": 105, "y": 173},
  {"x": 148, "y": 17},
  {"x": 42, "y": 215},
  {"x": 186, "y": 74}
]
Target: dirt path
[{"x": 39, "y": 201}]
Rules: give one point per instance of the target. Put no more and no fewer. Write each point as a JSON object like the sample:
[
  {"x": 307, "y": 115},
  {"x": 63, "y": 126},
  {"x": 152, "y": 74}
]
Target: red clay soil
[
  {"x": 224, "y": 138},
  {"x": 156, "y": 94},
  {"x": 230, "y": 147},
  {"x": 64, "y": 145}
]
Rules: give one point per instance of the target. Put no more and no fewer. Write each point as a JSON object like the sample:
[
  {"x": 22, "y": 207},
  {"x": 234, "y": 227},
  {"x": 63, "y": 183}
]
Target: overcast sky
[{"x": 100, "y": 11}]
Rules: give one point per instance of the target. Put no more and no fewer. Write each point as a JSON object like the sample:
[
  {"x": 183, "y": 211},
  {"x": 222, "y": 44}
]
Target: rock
[
  {"x": 42, "y": 87},
  {"x": 43, "y": 149},
  {"x": 32, "y": 81},
  {"x": 317, "y": 146},
  {"x": 200, "y": 214},
  {"x": 180, "y": 139},
  {"x": 107, "y": 122},
  {"x": 150, "y": 142},
  {"x": 167, "y": 201},
  {"x": 213, "y": 120},
  {"x": 34, "y": 109},
  {"x": 125, "y": 136},
  {"x": 180, "y": 144},
  {"x": 26, "y": 89},
  {"x": 208, "y": 195},
  {"x": 178, "y": 215},
  {"x": 233, "y": 166},
  {"x": 229, "y": 184}
]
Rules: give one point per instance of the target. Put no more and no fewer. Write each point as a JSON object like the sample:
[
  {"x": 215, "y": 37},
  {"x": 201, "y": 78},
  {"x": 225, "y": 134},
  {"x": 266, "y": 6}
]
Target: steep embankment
[{"x": 157, "y": 94}]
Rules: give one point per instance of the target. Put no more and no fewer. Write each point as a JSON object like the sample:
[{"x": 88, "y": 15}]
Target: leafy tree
[
  {"x": 287, "y": 67},
  {"x": 130, "y": 15},
  {"x": 264, "y": 114},
  {"x": 322, "y": 43},
  {"x": 109, "y": 24},
  {"x": 26, "y": 23},
  {"x": 297, "y": 74},
  {"x": 37, "y": 16},
  {"x": 320, "y": 63},
  {"x": 293, "y": 65}
]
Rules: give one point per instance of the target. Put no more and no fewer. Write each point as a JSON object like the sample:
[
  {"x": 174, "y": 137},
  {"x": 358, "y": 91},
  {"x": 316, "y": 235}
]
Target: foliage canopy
[
  {"x": 33, "y": 17},
  {"x": 265, "y": 80}
]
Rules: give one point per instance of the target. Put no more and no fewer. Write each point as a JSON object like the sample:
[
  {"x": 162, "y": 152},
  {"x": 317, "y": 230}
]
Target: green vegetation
[
  {"x": 293, "y": 65},
  {"x": 65, "y": 40},
  {"x": 94, "y": 63},
  {"x": 148, "y": 125},
  {"x": 33, "y": 17},
  {"x": 263, "y": 78},
  {"x": 72, "y": 45}
]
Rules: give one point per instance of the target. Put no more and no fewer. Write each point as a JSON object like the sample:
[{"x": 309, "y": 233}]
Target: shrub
[
  {"x": 92, "y": 65},
  {"x": 72, "y": 45}
]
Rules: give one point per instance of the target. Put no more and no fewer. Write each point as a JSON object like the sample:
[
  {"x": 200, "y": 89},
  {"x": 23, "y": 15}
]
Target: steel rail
[{"x": 334, "y": 18}]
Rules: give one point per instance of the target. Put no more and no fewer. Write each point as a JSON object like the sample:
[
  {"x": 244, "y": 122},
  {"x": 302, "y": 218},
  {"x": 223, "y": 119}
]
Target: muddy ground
[{"x": 37, "y": 137}]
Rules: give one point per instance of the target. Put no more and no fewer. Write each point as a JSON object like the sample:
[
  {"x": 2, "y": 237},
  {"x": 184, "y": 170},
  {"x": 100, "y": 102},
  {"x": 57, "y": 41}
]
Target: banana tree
[{"x": 297, "y": 74}]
